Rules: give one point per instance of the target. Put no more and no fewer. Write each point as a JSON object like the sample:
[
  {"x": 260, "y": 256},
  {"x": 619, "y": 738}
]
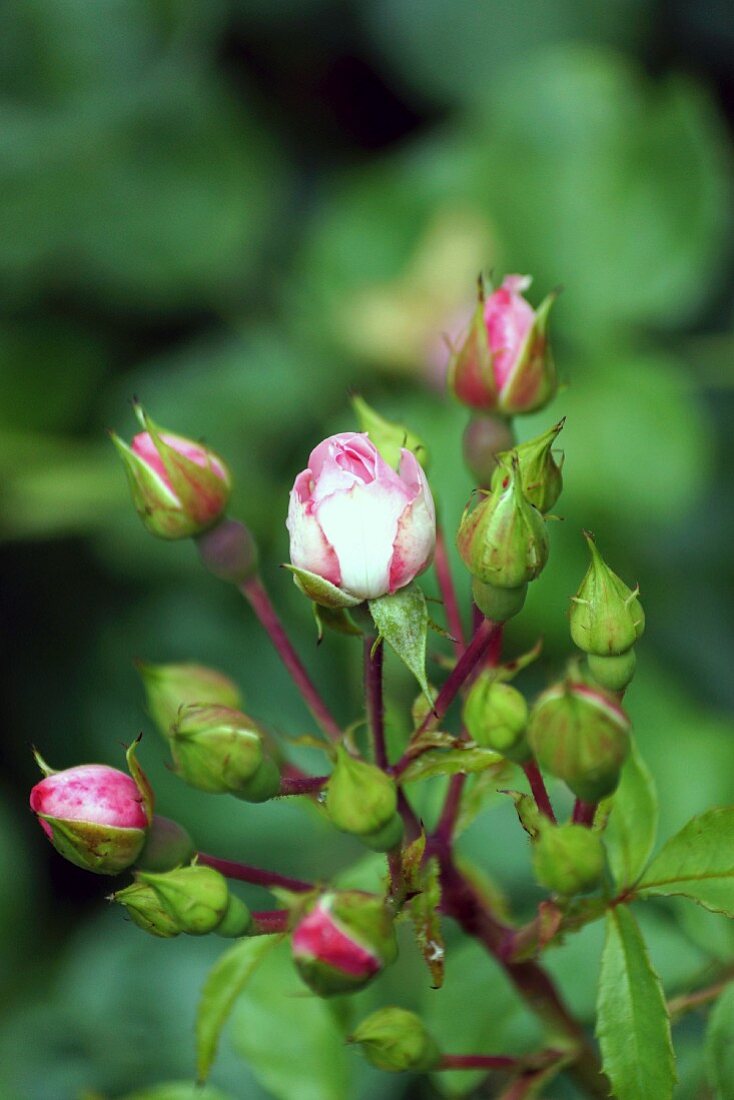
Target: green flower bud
[
  {"x": 496, "y": 717},
  {"x": 170, "y": 687},
  {"x": 236, "y": 921},
  {"x": 540, "y": 474},
  {"x": 145, "y": 909},
  {"x": 485, "y": 438},
  {"x": 388, "y": 437},
  {"x": 395, "y": 1040},
  {"x": 343, "y": 941},
  {"x": 613, "y": 673},
  {"x": 167, "y": 845},
  {"x": 498, "y": 604},
  {"x": 580, "y": 734},
  {"x": 503, "y": 540},
  {"x": 568, "y": 859},
  {"x": 606, "y": 616},
  {"x": 218, "y": 749},
  {"x": 195, "y": 897},
  {"x": 360, "y": 798}
]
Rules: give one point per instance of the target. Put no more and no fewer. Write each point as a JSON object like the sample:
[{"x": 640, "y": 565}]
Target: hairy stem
[
  {"x": 537, "y": 786},
  {"x": 442, "y": 567},
  {"x": 256, "y": 876},
  {"x": 373, "y": 662},
  {"x": 254, "y": 591}
]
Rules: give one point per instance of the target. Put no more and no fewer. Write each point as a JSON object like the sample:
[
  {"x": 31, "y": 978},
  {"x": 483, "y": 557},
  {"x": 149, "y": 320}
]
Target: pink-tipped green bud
[
  {"x": 540, "y": 473},
  {"x": 170, "y": 687},
  {"x": 496, "y": 716},
  {"x": 195, "y": 897},
  {"x": 389, "y": 438},
  {"x": 486, "y": 437},
  {"x": 144, "y": 908},
  {"x": 344, "y": 940},
  {"x": 504, "y": 362},
  {"x": 568, "y": 859},
  {"x": 613, "y": 673},
  {"x": 167, "y": 845},
  {"x": 502, "y": 540},
  {"x": 95, "y": 816},
  {"x": 606, "y": 616},
  {"x": 362, "y": 800},
  {"x": 220, "y": 750},
  {"x": 396, "y": 1040},
  {"x": 179, "y": 487},
  {"x": 580, "y": 734}
]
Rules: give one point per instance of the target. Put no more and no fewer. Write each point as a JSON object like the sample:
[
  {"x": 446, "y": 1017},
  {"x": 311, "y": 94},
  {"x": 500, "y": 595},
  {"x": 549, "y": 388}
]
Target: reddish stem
[
  {"x": 470, "y": 658},
  {"x": 537, "y": 786},
  {"x": 478, "y": 1061},
  {"x": 302, "y": 784},
  {"x": 442, "y": 567},
  {"x": 583, "y": 813},
  {"x": 373, "y": 662},
  {"x": 243, "y": 872},
  {"x": 268, "y": 921},
  {"x": 452, "y": 804},
  {"x": 259, "y": 600}
]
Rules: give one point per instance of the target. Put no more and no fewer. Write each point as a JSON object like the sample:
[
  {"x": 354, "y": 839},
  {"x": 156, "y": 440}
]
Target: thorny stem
[
  {"x": 448, "y": 592},
  {"x": 256, "y": 876},
  {"x": 373, "y": 662},
  {"x": 583, "y": 813},
  {"x": 537, "y": 786},
  {"x": 254, "y": 591}
]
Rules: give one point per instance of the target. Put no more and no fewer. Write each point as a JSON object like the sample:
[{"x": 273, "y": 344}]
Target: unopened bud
[
  {"x": 395, "y": 1040},
  {"x": 496, "y": 717},
  {"x": 220, "y": 750},
  {"x": 540, "y": 474},
  {"x": 343, "y": 942},
  {"x": 606, "y": 616},
  {"x": 167, "y": 845},
  {"x": 179, "y": 487},
  {"x": 195, "y": 897},
  {"x": 361, "y": 799},
  {"x": 145, "y": 909},
  {"x": 580, "y": 734},
  {"x": 389, "y": 438},
  {"x": 568, "y": 859},
  {"x": 170, "y": 687}
]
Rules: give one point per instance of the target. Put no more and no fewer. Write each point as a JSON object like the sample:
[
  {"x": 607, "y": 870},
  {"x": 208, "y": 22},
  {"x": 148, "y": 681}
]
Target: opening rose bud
[
  {"x": 343, "y": 942},
  {"x": 504, "y": 362},
  {"x": 356, "y": 524},
  {"x": 95, "y": 816},
  {"x": 179, "y": 487}
]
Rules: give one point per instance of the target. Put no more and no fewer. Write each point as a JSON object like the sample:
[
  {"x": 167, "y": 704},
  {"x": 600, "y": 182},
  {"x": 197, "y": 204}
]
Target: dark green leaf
[
  {"x": 402, "y": 620},
  {"x": 698, "y": 862},
  {"x": 720, "y": 1046}
]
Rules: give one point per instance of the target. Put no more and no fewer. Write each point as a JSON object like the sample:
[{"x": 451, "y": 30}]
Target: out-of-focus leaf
[
  {"x": 632, "y": 826},
  {"x": 720, "y": 1046},
  {"x": 698, "y": 863},
  {"x": 178, "y": 1090}
]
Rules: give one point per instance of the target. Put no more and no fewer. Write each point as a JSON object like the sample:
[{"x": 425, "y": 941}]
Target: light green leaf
[
  {"x": 179, "y": 1090},
  {"x": 309, "y": 1059},
  {"x": 720, "y": 1046},
  {"x": 223, "y": 985},
  {"x": 451, "y": 761},
  {"x": 633, "y": 821},
  {"x": 633, "y": 1027},
  {"x": 698, "y": 862},
  {"x": 402, "y": 620}
]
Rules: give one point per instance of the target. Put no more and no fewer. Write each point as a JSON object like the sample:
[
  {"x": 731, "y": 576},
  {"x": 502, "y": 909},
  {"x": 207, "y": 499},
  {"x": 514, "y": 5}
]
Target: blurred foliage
[{"x": 238, "y": 210}]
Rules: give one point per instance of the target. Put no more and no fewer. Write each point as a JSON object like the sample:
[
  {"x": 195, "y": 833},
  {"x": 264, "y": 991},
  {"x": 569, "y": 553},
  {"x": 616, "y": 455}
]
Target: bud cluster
[{"x": 194, "y": 900}]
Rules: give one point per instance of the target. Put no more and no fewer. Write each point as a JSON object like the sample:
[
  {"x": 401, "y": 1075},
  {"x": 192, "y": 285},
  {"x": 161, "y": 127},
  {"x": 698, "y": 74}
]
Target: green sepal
[
  {"x": 43, "y": 766},
  {"x": 528, "y": 813},
  {"x": 471, "y": 374},
  {"x": 337, "y": 619},
  {"x": 319, "y": 590},
  {"x": 102, "y": 849},
  {"x": 540, "y": 474},
  {"x": 196, "y": 897},
  {"x": 388, "y": 437},
  {"x": 140, "y": 779},
  {"x": 158, "y": 507},
  {"x": 533, "y": 381},
  {"x": 144, "y": 908},
  {"x": 402, "y": 621}
]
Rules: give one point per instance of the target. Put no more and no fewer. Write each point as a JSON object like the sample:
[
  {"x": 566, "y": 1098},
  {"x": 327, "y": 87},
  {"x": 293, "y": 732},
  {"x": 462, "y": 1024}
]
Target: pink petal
[
  {"x": 508, "y": 318},
  {"x": 415, "y": 539},
  {"x": 309, "y": 547},
  {"x": 93, "y": 793},
  {"x": 143, "y": 446},
  {"x": 318, "y": 937}
]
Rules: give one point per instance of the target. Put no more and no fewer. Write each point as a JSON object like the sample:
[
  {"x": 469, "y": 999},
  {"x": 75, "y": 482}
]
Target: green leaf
[
  {"x": 178, "y": 1090},
  {"x": 427, "y": 922},
  {"x": 698, "y": 862},
  {"x": 720, "y": 1046},
  {"x": 450, "y": 761},
  {"x": 402, "y": 620},
  {"x": 633, "y": 821},
  {"x": 633, "y": 1027},
  {"x": 223, "y": 985},
  {"x": 335, "y": 618},
  {"x": 292, "y": 1040}
]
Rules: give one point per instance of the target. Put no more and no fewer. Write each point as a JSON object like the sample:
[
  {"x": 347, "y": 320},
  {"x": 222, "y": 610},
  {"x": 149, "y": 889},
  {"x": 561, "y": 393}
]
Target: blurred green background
[{"x": 237, "y": 210}]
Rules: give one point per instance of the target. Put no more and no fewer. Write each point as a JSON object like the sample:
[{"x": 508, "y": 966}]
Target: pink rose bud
[
  {"x": 343, "y": 942},
  {"x": 179, "y": 488},
  {"x": 95, "y": 816},
  {"x": 504, "y": 363},
  {"x": 359, "y": 529}
]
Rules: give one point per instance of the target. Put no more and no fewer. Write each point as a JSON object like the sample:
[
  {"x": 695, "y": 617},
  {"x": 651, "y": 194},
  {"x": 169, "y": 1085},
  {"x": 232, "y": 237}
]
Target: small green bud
[
  {"x": 540, "y": 474},
  {"x": 606, "y": 616},
  {"x": 167, "y": 845},
  {"x": 485, "y": 438},
  {"x": 218, "y": 749},
  {"x": 170, "y": 687},
  {"x": 145, "y": 909},
  {"x": 388, "y": 437},
  {"x": 343, "y": 941},
  {"x": 496, "y": 717},
  {"x": 395, "y": 1040},
  {"x": 503, "y": 540},
  {"x": 498, "y": 604},
  {"x": 196, "y": 897},
  {"x": 580, "y": 734},
  {"x": 236, "y": 920},
  {"x": 360, "y": 798},
  {"x": 568, "y": 859},
  {"x": 613, "y": 673}
]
